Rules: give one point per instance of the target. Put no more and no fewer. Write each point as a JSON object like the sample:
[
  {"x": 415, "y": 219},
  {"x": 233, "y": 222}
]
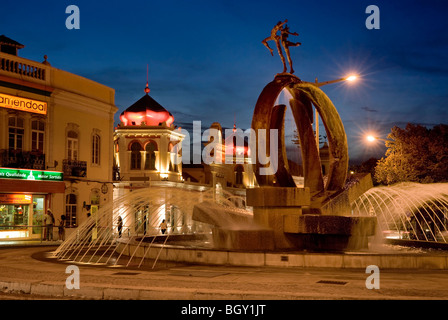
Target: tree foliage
[{"x": 416, "y": 154}]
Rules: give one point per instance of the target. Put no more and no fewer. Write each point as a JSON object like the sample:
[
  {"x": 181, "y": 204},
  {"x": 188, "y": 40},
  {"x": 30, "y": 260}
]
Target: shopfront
[
  {"x": 25, "y": 195},
  {"x": 21, "y": 215}
]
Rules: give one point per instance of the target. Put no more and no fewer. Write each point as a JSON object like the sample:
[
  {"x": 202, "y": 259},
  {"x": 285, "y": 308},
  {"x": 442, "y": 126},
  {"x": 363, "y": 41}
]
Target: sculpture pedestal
[
  {"x": 281, "y": 210},
  {"x": 272, "y": 204}
]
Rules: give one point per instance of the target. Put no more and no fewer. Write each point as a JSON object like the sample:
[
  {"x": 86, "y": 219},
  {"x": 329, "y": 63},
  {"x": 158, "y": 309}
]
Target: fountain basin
[
  {"x": 334, "y": 233},
  {"x": 392, "y": 259}
]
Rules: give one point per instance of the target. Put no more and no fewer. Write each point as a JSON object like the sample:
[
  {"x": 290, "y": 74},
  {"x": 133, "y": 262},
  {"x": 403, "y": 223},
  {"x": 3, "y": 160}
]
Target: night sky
[{"x": 206, "y": 61}]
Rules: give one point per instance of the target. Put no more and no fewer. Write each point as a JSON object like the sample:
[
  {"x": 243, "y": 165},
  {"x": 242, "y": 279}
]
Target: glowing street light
[
  {"x": 371, "y": 138},
  {"x": 349, "y": 78}
]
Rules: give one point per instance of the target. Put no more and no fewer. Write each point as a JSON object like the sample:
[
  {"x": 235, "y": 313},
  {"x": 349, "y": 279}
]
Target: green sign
[{"x": 24, "y": 174}]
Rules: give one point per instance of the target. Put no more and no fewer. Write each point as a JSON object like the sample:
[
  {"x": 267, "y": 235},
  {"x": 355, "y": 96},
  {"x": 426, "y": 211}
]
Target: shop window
[
  {"x": 136, "y": 156},
  {"x": 96, "y": 145},
  {"x": 71, "y": 201},
  {"x": 37, "y": 135},
  {"x": 15, "y": 133}
]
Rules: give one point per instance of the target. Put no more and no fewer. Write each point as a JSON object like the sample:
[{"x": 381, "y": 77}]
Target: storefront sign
[
  {"x": 23, "y": 174},
  {"x": 8, "y": 198},
  {"x": 22, "y": 104}
]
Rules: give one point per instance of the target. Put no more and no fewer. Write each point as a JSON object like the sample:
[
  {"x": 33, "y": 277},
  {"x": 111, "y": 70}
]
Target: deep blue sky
[{"x": 206, "y": 60}]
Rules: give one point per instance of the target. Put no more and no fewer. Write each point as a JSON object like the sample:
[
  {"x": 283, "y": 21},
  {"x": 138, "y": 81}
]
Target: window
[
  {"x": 72, "y": 145},
  {"x": 239, "y": 174},
  {"x": 70, "y": 209},
  {"x": 150, "y": 162},
  {"x": 96, "y": 144},
  {"x": 16, "y": 133},
  {"x": 136, "y": 156},
  {"x": 37, "y": 135}
]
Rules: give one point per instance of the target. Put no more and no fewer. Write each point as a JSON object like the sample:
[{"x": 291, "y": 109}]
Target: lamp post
[{"x": 349, "y": 78}]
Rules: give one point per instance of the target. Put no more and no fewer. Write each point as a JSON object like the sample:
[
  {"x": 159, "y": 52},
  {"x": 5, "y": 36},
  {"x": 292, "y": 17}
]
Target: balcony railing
[
  {"x": 22, "y": 68},
  {"x": 74, "y": 168},
  {"x": 22, "y": 159}
]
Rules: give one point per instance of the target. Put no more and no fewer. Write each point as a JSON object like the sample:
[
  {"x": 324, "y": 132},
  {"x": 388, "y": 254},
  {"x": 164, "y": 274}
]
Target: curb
[{"x": 57, "y": 290}]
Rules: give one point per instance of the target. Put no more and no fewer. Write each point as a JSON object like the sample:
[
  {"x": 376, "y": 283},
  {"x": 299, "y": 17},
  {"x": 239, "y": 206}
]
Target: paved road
[{"x": 26, "y": 271}]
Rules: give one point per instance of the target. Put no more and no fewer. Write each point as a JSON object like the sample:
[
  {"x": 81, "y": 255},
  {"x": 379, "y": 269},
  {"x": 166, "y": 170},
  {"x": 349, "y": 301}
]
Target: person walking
[
  {"x": 120, "y": 226},
  {"x": 163, "y": 226}
]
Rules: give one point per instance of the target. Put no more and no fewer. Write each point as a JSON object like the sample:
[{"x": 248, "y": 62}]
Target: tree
[
  {"x": 415, "y": 154},
  {"x": 367, "y": 166}
]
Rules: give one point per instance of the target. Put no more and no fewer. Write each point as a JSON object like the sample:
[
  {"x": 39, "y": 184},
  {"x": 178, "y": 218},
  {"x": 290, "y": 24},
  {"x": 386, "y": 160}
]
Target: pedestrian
[
  {"x": 49, "y": 222},
  {"x": 61, "y": 228},
  {"x": 120, "y": 226},
  {"x": 163, "y": 226}
]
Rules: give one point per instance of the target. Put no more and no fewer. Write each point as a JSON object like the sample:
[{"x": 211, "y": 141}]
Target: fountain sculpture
[{"x": 280, "y": 216}]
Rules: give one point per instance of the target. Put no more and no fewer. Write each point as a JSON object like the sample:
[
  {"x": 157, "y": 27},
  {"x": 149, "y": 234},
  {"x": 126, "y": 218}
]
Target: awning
[{"x": 13, "y": 185}]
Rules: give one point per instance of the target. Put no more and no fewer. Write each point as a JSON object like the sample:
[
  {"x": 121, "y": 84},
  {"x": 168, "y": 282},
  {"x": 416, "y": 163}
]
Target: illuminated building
[
  {"x": 146, "y": 145},
  {"x": 230, "y": 166},
  {"x": 56, "y": 133}
]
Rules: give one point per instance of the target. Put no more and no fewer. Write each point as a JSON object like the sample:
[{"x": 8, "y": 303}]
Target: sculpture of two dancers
[{"x": 282, "y": 40}]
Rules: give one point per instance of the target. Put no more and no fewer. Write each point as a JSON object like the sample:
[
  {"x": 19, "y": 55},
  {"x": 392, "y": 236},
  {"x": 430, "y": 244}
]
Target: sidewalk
[
  {"x": 28, "y": 270},
  {"x": 27, "y": 243}
]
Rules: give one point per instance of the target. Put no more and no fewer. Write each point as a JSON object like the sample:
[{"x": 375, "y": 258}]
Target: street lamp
[
  {"x": 349, "y": 78},
  {"x": 371, "y": 138}
]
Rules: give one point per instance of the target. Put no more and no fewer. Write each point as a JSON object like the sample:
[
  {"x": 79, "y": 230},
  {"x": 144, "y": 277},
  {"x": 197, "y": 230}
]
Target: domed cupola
[{"x": 146, "y": 111}]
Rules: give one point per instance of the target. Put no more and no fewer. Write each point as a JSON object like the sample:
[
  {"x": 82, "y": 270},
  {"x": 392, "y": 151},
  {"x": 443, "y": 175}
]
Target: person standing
[
  {"x": 61, "y": 228},
  {"x": 49, "y": 222}
]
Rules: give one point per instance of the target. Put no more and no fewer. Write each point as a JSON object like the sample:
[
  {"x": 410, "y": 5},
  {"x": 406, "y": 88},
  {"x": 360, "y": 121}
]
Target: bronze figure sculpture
[
  {"x": 282, "y": 40},
  {"x": 276, "y": 38},
  {"x": 286, "y": 44}
]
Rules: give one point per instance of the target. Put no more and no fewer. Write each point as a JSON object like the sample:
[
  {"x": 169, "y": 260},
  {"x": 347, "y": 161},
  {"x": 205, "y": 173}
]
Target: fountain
[
  {"x": 129, "y": 227},
  {"x": 411, "y": 214},
  {"x": 282, "y": 223},
  {"x": 284, "y": 217}
]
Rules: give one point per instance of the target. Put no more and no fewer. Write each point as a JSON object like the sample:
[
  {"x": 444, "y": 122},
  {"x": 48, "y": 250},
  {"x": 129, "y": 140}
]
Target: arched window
[
  {"x": 150, "y": 162},
  {"x": 15, "y": 131},
  {"x": 96, "y": 147},
  {"x": 37, "y": 135},
  {"x": 72, "y": 145},
  {"x": 71, "y": 201},
  {"x": 136, "y": 156}
]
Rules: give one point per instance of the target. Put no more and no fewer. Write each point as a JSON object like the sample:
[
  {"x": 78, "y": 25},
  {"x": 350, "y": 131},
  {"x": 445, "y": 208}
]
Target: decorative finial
[
  {"x": 147, "y": 83},
  {"x": 147, "y": 88},
  {"x": 234, "y": 123},
  {"x": 45, "y": 60}
]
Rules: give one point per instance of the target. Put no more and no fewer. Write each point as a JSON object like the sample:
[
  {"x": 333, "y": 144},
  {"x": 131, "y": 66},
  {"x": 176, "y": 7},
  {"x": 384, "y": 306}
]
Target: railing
[
  {"x": 24, "y": 69},
  {"x": 74, "y": 168},
  {"x": 22, "y": 159}
]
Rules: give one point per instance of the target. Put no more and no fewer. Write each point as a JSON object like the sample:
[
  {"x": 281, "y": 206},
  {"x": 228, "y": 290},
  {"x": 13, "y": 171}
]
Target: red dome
[{"x": 146, "y": 110}]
